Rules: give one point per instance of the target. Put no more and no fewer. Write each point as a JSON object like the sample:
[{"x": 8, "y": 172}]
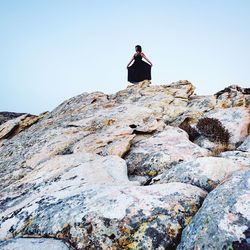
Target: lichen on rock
[{"x": 114, "y": 171}]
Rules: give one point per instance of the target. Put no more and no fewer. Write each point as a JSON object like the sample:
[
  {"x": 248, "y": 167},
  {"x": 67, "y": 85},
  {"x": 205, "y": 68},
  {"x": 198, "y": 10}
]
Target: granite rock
[
  {"x": 153, "y": 155},
  {"x": 223, "y": 221},
  {"x": 203, "y": 172},
  {"x": 33, "y": 244},
  {"x": 245, "y": 146}
]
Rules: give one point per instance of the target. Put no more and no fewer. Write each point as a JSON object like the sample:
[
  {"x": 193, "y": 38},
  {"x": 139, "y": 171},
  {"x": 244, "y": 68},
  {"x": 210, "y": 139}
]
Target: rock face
[
  {"x": 233, "y": 96},
  {"x": 204, "y": 172},
  {"x": 5, "y": 116},
  {"x": 223, "y": 221},
  {"x": 161, "y": 151},
  {"x": 33, "y": 244},
  {"x": 89, "y": 201},
  {"x": 77, "y": 177},
  {"x": 16, "y": 125},
  {"x": 245, "y": 146}
]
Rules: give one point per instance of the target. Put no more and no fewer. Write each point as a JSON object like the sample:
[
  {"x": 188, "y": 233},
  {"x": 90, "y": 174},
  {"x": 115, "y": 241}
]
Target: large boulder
[
  {"x": 5, "y": 116},
  {"x": 153, "y": 155},
  {"x": 64, "y": 176},
  {"x": 88, "y": 201},
  {"x": 223, "y": 221},
  {"x": 233, "y": 96},
  {"x": 245, "y": 146},
  {"x": 91, "y": 122},
  {"x": 203, "y": 172},
  {"x": 14, "y": 126},
  {"x": 33, "y": 244},
  {"x": 239, "y": 157}
]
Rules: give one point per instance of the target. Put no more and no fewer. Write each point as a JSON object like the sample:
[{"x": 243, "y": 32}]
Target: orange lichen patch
[
  {"x": 125, "y": 230},
  {"x": 108, "y": 105},
  {"x": 122, "y": 93},
  {"x": 193, "y": 209},
  {"x": 152, "y": 173},
  {"x": 108, "y": 122},
  {"x": 27, "y": 223},
  {"x": 212, "y": 184},
  {"x": 188, "y": 219},
  {"x": 176, "y": 208},
  {"x": 124, "y": 133},
  {"x": 100, "y": 142},
  {"x": 64, "y": 233},
  {"x": 124, "y": 242},
  {"x": 173, "y": 232},
  {"x": 59, "y": 235}
]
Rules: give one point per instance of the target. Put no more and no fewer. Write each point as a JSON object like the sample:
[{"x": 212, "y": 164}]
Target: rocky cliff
[
  {"x": 5, "y": 116},
  {"x": 150, "y": 167}
]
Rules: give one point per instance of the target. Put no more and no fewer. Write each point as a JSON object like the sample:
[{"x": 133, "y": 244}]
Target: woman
[{"x": 139, "y": 70}]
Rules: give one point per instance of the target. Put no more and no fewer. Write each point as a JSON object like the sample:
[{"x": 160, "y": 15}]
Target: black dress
[{"x": 139, "y": 70}]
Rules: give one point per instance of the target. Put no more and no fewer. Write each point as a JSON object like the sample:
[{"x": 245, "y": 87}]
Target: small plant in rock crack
[{"x": 214, "y": 130}]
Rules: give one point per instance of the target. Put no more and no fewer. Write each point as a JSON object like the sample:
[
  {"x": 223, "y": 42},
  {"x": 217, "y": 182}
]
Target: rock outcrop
[
  {"x": 223, "y": 221},
  {"x": 203, "y": 172},
  {"x": 5, "y": 116},
  {"x": 116, "y": 172}
]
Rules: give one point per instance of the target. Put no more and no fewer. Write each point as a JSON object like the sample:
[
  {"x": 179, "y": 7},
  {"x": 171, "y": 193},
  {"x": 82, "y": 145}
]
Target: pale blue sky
[{"x": 51, "y": 50}]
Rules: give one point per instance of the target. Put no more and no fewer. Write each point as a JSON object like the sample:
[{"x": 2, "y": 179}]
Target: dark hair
[{"x": 138, "y": 47}]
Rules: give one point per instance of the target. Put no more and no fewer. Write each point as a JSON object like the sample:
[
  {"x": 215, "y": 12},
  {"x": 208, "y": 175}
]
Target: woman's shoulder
[{"x": 138, "y": 54}]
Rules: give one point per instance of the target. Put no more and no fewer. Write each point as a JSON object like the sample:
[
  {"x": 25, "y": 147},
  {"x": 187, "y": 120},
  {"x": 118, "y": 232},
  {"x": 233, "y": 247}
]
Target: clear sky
[{"x": 52, "y": 50}]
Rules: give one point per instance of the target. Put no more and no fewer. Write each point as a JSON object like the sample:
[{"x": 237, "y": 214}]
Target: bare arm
[
  {"x": 130, "y": 61},
  {"x": 143, "y": 55}
]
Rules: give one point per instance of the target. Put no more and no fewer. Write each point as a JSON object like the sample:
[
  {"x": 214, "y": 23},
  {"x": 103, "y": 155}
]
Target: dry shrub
[
  {"x": 219, "y": 149},
  {"x": 192, "y": 132},
  {"x": 213, "y": 130}
]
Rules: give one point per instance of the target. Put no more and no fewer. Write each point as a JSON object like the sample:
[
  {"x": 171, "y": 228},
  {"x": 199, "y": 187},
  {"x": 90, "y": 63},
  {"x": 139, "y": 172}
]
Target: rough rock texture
[
  {"x": 204, "y": 142},
  {"x": 75, "y": 174},
  {"x": 152, "y": 155},
  {"x": 88, "y": 201},
  {"x": 14, "y": 126},
  {"x": 223, "y": 221},
  {"x": 233, "y": 96},
  {"x": 204, "y": 172},
  {"x": 5, "y": 116},
  {"x": 237, "y": 156},
  {"x": 33, "y": 244},
  {"x": 245, "y": 146}
]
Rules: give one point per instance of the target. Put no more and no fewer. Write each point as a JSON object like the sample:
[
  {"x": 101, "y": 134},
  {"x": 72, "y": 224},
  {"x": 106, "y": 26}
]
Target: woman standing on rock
[{"x": 139, "y": 70}]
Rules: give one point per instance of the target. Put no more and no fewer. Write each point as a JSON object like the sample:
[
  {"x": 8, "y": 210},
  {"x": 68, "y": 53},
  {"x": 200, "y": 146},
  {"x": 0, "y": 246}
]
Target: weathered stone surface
[
  {"x": 197, "y": 106},
  {"x": 245, "y": 146},
  {"x": 14, "y": 126},
  {"x": 167, "y": 101},
  {"x": 33, "y": 244},
  {"x": 223, "y": 221},
  {"x": 9, "y": 126},
  {"x": 5, "y": 116},
  {"x": 92, "y": 122},
  {"x": 236, "y": 120},
  {"x": 63, "y": 177},
  {"x": 204, "y": 172},
  {"x": 237, "y": 156},
  {"x": 161, "y": 151},
  {"x": 233, "y": 96},
  {"x": 102, "y": 216},
  {"x": 70, "y": 171}
]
